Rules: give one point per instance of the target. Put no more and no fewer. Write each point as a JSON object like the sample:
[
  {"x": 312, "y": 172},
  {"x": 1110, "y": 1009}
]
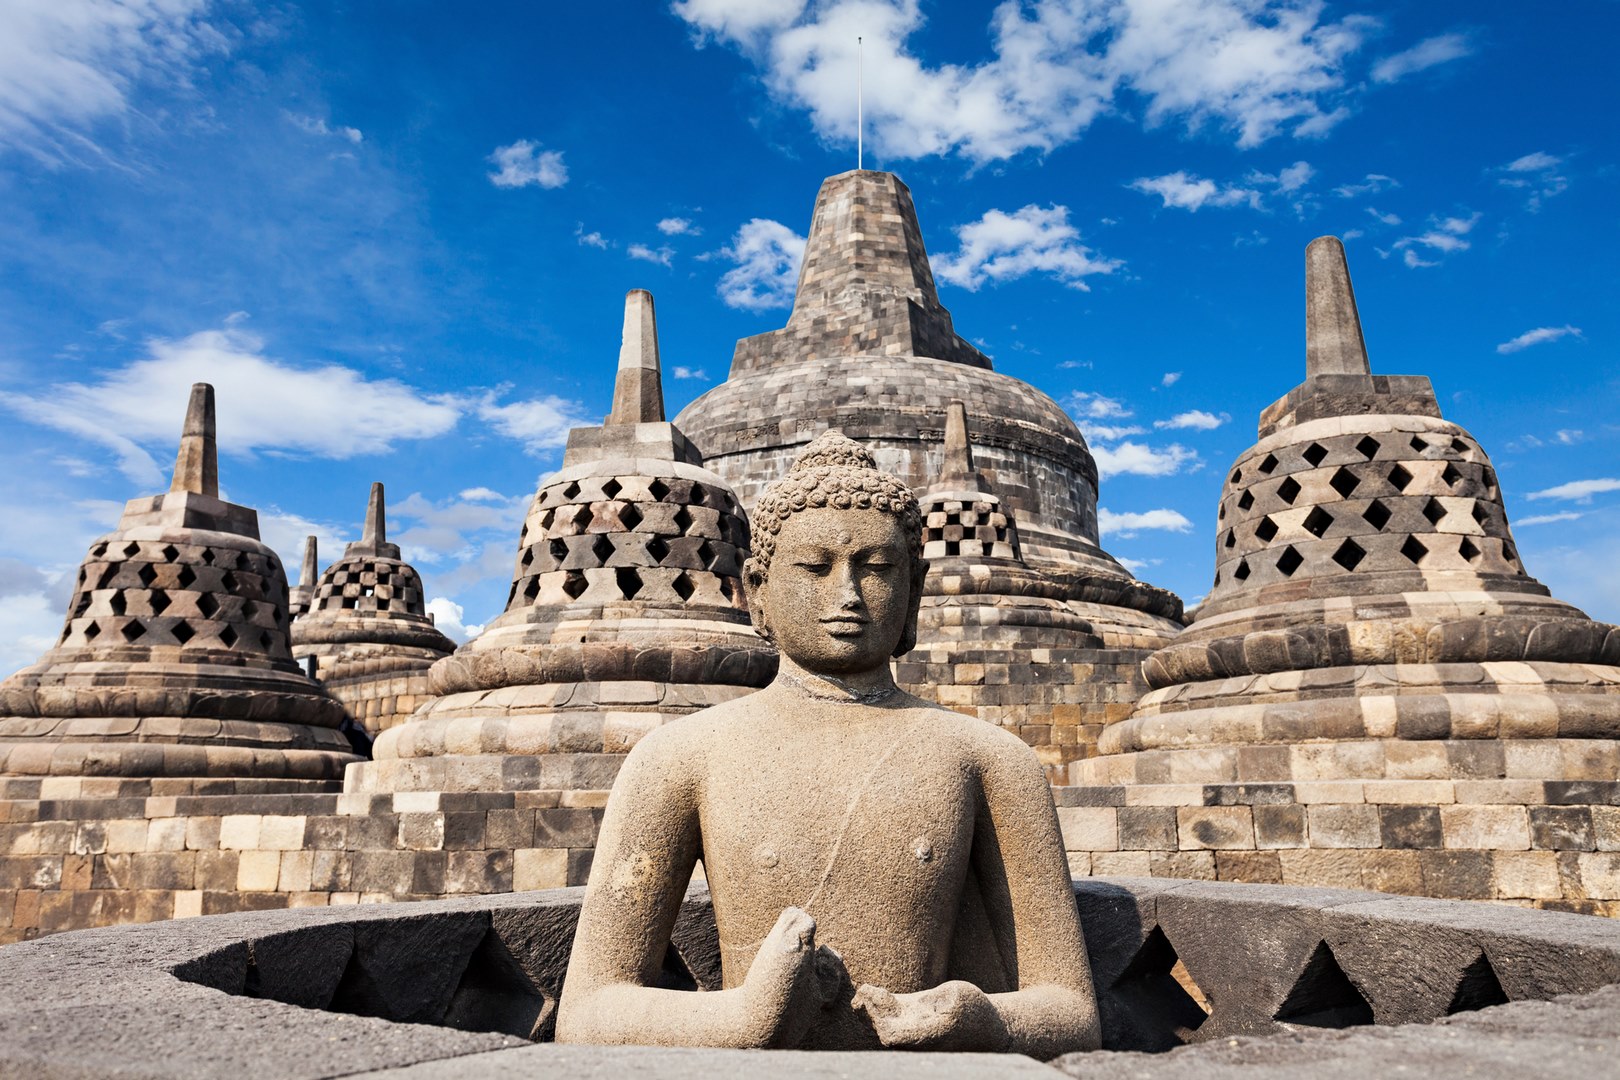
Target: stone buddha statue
[{"x": 885, "y": 873}]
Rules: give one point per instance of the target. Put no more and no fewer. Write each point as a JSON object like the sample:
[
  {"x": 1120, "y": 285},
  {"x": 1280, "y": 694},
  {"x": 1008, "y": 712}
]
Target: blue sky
[{"x": 397, "y": 238}]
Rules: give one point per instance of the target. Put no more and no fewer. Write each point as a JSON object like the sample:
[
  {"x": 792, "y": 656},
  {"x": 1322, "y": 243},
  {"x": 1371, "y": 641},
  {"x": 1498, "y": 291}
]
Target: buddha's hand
[
  {"x": 790, "y": 980},
  {"x": 952, "y": 1016}
]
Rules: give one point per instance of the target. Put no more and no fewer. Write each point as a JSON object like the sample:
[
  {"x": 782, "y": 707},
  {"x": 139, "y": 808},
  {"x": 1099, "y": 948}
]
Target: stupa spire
[
  {"x": 311, "y": 567},
  {"x": 958, "y": 471},
  {"x": 1333, "y": 342},
  {"x": 376, "y": 518},
  {"x": 196, "y": 466},
  {"x": 638, "y": 391}
]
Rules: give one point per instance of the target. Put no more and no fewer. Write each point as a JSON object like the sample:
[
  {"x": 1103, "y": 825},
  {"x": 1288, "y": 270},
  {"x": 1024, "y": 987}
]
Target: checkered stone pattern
[
  {"x": 968, "y": 526},
  {"x": 654, "y": 540},
  {"x": 215, "y": 596},
  {"x": 1350, "y": 505},
  {"x": 370, "y": 585}
]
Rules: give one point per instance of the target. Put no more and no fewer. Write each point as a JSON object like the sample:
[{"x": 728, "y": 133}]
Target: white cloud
[
  {"x": 1445, "y": 238},
  {"x": 1426, "y": 54},
  {"x": 1195, "y": 419},
  {"x": 1540, "y": 161},
  {"x": 767, "y": 254},
  {"x": 314, "y": 125},
  {"x": 1083, "y": 404},
  {"x": 449, "y": 531},
  {"x": 30, "y": 623},
  {"x": 540, "y": 424},
  {"x": 678, "y": 226},
  {"x": 1129, "y": 524},
  {"x": 523, "y": 163},
  {"x": 1578, "y": 490},
  {"x": 690, "y": 373},
  {"x": 1185, "y": 191},
  {"x": 1170, "y": 378},
  {"x": 1351, "y": 234},
  {"x": 1295, "y": 176},
  {"x": 1539, "y": 336},
  {"x": 263, "y": 403},
  {"x": 1034, "y": 240},
  {"x": 1095, "y": 432},
  {"x": 1254, "y": 67},
  {"x": 1538, "y": 174},
  {"x": 285, "y": 533},
  {"x": 1548, "y": 519},
  {"x": 1138, "y": 459},
  {"x": 1374, "y": 183},
  {"x": 1384, "y": 219},
  {"x": 481, "y": 494},
  {"x": 447, "y": 616},
  {"x": 1570, "y": 436},
  {"x": 663, "y": 256},
  {"x": 70, "y": 64},
  {"x": 589, "y": 239}
]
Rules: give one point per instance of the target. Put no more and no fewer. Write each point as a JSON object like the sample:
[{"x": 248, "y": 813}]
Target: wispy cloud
[
  {"x": 1428, "y": 53},
  {"x": 1547, "y": 519},
  {"x": 1170, "y": 378},
  {"x": 678, "y": 226},
  {"x": 1195, "y": 419},
  {"x": 523, "y": 163},
  {"x": 1139, "y": 459},
  {"x": 690, "y": 373},
  {"x": 1184, "y": 191},
  {"x": 1578, "y": 490},
  {"x": 1539, "y": 336},
  {"x": 589, "y": 239},
  {"x": 1127, "y": 525},
  {"x": 540, "y": 424},
  {"x": 314, "y": 125},
  {"x": 1372, "y": 185},
  {"x": 1034, "y": 240},
  {"x": 1446, "y": 237},
  {"x": 1383, "y": 218},
  {"x": 1538, "y": 174},
  {"x": 767, "y": 256},
  {"x": 663, "y": 256}
]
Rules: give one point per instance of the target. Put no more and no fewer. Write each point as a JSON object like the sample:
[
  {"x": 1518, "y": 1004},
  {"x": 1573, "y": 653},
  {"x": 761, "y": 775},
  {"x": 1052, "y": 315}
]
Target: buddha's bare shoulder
[{"x": 980, "y": 739}]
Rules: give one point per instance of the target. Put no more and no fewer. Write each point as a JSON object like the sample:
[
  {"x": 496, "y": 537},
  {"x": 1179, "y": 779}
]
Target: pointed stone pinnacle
[
  {"x": 958, "y": 471},
  {"x": 196, "y": 466},
  {"x": 311, "y": 568},
  {"x": 376, "y": 532},
  {"x": 638, "y": 391},
  {"x": 1333, "y": 342}
]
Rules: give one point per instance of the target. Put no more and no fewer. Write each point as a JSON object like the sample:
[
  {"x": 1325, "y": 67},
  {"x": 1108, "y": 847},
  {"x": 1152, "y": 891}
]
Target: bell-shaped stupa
[
  {"x": 626, "y": 611},
  {"x": 174, "y": 660},
  {"x": 368, "y": 629}
]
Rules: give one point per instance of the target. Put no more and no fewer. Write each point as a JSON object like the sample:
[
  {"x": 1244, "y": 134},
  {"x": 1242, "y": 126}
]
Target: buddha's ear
[
  {"x": 908, "y": 637},
  {"x": 754, "y": 588}
]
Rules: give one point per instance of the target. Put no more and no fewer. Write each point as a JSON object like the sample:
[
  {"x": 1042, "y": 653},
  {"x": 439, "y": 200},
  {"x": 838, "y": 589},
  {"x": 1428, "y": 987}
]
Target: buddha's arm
[{"x": 644, "y": 857}]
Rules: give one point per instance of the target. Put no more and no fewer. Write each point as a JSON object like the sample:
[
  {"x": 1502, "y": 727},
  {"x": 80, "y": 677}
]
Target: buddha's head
[{"x": 837, "y": 569}]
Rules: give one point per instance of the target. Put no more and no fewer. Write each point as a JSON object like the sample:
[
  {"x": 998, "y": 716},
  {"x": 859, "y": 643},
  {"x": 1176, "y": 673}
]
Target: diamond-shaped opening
[
  {"x": 602, "y": 548},
  {"x": 207, "y": 605},
  {"x": 629, "y": 582},
  {"x": 574, "y": 584},
  {"x": 228, "y": 580},
  {"x": 119, "y": 603},
  {"x": 1434, "y": 511},
  {"x": 1323, "y": 996},
  {"x": 612, "y": 488},
  {"x": 169, "y": 553},
  {"x": 1490, "y": 480},
  {"x": 147, "y": 574},
  {"x": 1479, "y": 988},
  {"x": 1419, "y": 443},
  {"x": 559, "y": 548},
  {"x": 531, "y": 588},
  {"x": 228, "y": 637},
  {"x": 629, "y": 517},
  {"x": 1217, "y": 579},
  {"x": 1414, "y": 549},
  {"x": 98, "y": 551},
  {"x": 133, "y": 631},
  {"x": 1163, "y": 1002},
  {"x": 657, "y": 548},
  {"x": 91, "y": 631},
  {"x": 265, "y": 640},
  {"x": 1237, "y": 474},
  {"x": 1288, "y": 490},
  {"x": 1349, "y": 555},
  {"x": 727, "y": 589},
  {"x": 1231, "y": 537},
  {"x": 1377, "y": 514},
  {"x": 183, "y": 632},
  {"x": 683, "y": 519},
  {"x": 1242, "y": 571},
  {"x": 706, "y": 555},
  {"x": 571, "y": 490},
  {"x": 526, "y": 559},
  {"x": 523, "y": 534},
  {"x": 1509, "y": 552},
  {"x": 250, "y": 609},
  {"x": 1269, "y": 464},
  {"x": 208, "y": 556},
  {"x": 1266, "y": 531},
  {"x": 1459, "y": 446},
  {"x": 1344, "y": 482},
  {"x": 108, "y": 572},
  {"x": 1367, "y": 447},
  {"x": 81, "y": 605},
  {"x": 1399, "y": 478},
  {"x": 159, "y": 601},
  {"x": 1479, "y": 513},
  {"x": 700, "y": 494},
  {"x": 684, "y": 587},
  {"x": 131, "y": 549},
  {"x": 1451, "y": 475},
  {"x": 186, "y": 577},
  {"x": 1314, "y": 454},
  {"x": 1245, "y": 500},
  {"x": 1222, "y": 515},
  {"x": 1289, "y": 561},
  {"x": 1318, "y": 521},
  {"x": 1468, "y": 550},
  {"x": 658, "y": 489}
]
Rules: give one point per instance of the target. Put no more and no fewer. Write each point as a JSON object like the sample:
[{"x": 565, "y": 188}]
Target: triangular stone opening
[
  {"x": 1157, "y": 1004},
  {"x": 496, "y": 994},
  {"x": 1324, "y": 996},
  {"x": 1479, "y": 988}
]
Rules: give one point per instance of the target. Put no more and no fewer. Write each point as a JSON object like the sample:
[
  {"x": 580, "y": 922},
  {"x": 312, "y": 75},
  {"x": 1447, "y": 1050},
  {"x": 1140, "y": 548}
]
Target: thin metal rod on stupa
[
  {"x": 638, "y": 389},
  {"x": 1333, "y": 342},
  {"x": 196, "y": 466},
  {"x": 311, "y": 568},
  {"x": 376, "y": 517}
]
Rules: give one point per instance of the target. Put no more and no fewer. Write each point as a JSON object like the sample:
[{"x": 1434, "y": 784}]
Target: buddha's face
[{"x": 839, "y": 592}]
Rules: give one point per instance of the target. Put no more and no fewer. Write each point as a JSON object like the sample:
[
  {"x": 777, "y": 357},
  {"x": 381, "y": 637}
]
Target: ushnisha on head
[{"x": 850, "y": 537}]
